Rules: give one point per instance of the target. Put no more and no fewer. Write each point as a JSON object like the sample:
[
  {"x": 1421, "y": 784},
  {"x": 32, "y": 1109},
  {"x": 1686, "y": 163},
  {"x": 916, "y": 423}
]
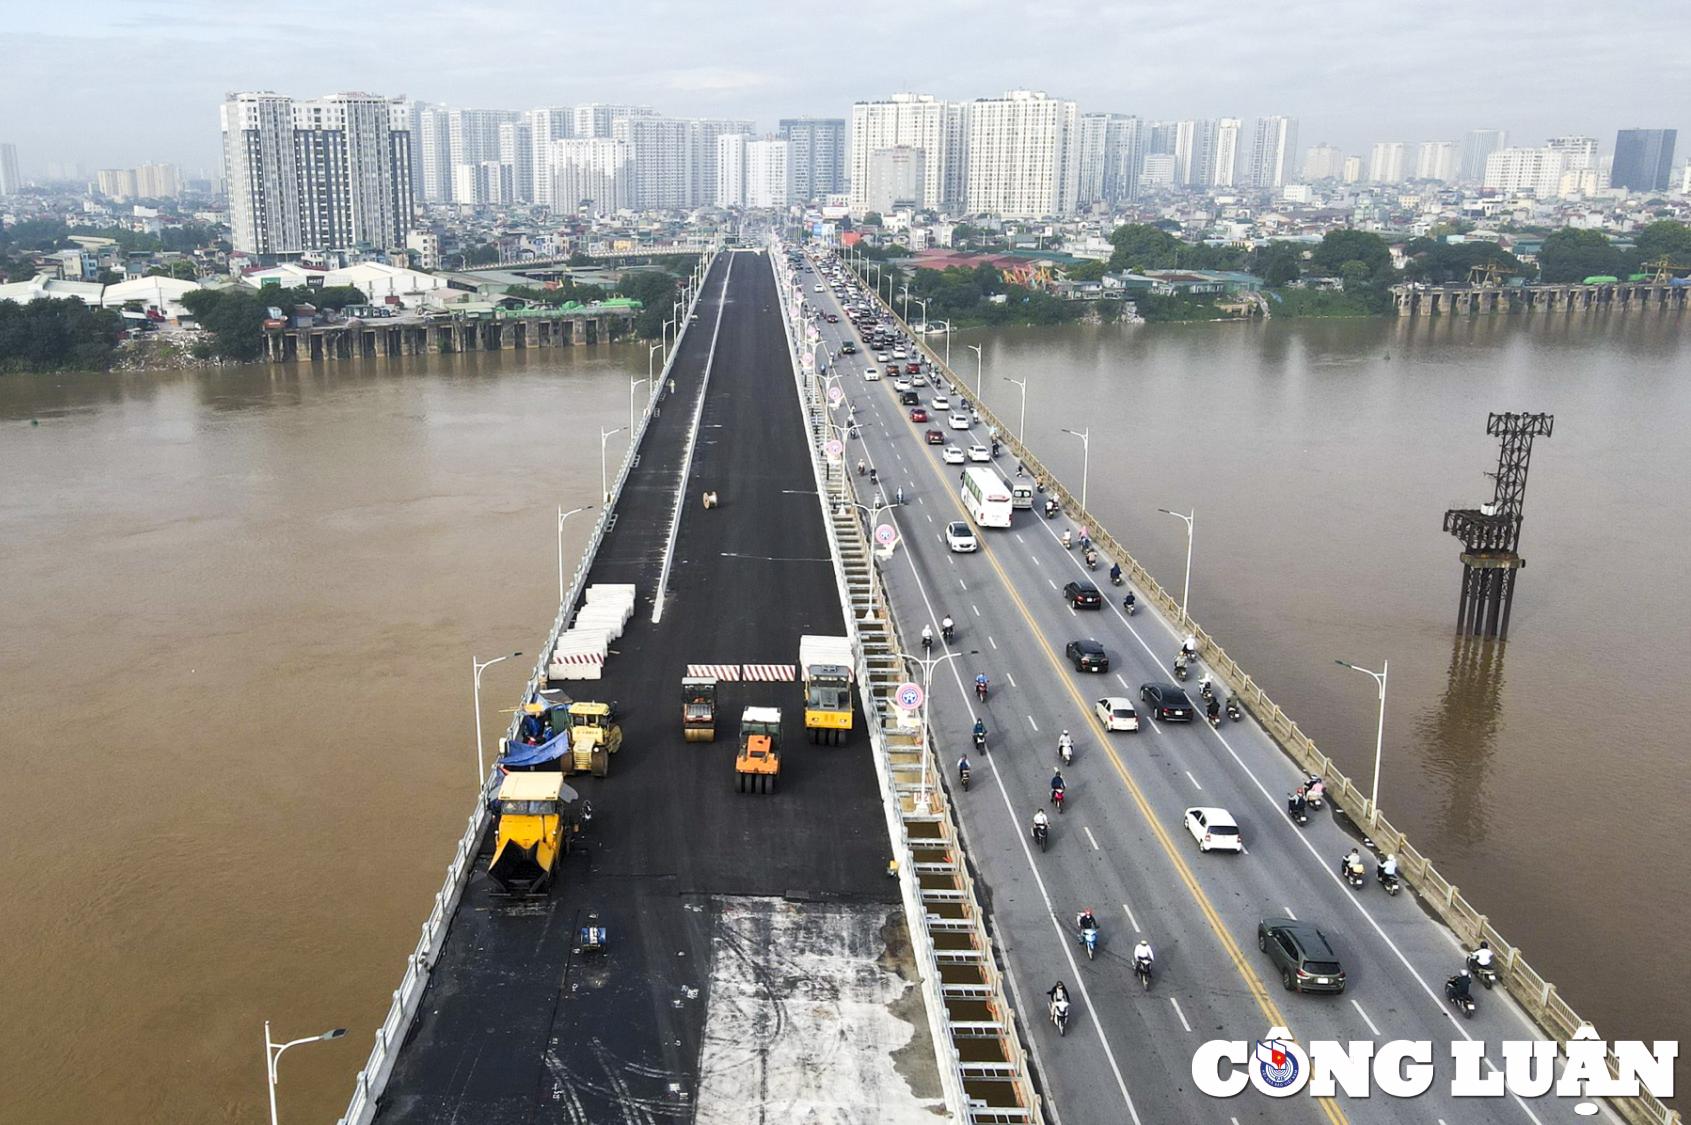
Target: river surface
[{"x": 238, "y": 610}]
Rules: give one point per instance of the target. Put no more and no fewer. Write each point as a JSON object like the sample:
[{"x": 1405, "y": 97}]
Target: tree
[
  {"x": 1437, "y": 262},
  {"x": 108, "y": 277},
  {"x": 484, "y": 255},
  {"x": 1142, "y": 247},
  {"x": 1663, "y": 239},
  {"x": 1573, "y": 255},
  {"x": 872, "y": 219},
  {"x": 1338, "y": 247},
  {"x": 1276, "y": 263},
  {"x": 57, "y": 335},
  {"x": 234, "y": 317}
]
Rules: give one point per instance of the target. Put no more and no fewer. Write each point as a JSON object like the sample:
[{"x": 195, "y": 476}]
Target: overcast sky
[{"x": 113, "y": 83}]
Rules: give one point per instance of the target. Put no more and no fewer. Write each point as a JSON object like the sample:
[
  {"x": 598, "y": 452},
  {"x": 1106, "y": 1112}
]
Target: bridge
[
  {"x": 1467, "y": 300},
  {"x": 605, "y": 251},
  {"x": 762, "y": 964},
  {"x": 452, "y": 330}
]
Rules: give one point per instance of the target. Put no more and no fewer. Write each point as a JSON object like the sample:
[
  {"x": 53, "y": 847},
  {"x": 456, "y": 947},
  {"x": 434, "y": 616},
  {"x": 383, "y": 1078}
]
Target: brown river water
[{"x": 237, "y": 610}]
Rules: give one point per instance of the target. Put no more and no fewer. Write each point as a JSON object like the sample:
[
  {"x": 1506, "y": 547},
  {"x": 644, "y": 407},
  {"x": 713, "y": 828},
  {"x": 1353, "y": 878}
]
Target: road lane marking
[
  {"x": 1036, "y": 561},
  {"x": 962, "y": 583},
  {"x": 1096, "y": 848},
  {"x": 930, "y": 516},
  {"x": 1193, "y": 780},
  {"x": 1011, "y": 678},
  {"x": 1182, "y": 1016},
  {"x": 991, "y": 642},
  {"x": 1053, "y": 584},
  {"x": 1365, "y": 1018},
  {"x": 1122, "y": 682},
  {"x": 1128, "y": 910},
  {"x": 1289, "y": 913},
  {"x": 1032, "y": 724}
]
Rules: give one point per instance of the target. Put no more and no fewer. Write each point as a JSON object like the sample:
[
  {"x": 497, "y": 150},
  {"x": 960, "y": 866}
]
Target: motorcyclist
[
  {"x": 1041, "y": 822},
  {"x": 1480, "y": 958},
  {"x": 1085, "y": 538},
  {"x": 1206, "y": 686},
  {"x": 946, "y": 628},
  {"x": 980, "y": 684},
  {"x": 1456, "y": 988},
  {"x": 980, "y": 732},
  {"x": 1068, "y": 540},
  {"x": 1142, "y": 953},
  {"x": 1058, "y": 785},
  {"x": 861, "y": 467},
  {"x": 1065, "y": 744},
  {"x": 1388, "y": 870},
  {"x": 898, "y": 495},
  {"x": 927, "y": 636},
  {"x": 1115, "y": 572},
  {"x": 1190, "y": 646},
  {"x": 873, "y": 476},
  {"x": 1129, "y": 601},
  {"x": 1353, "y": 860},
  {"x": 1057, "y": 992},
  {"x": 1214, "y": 709},
  {"x": 962, "y": 765},
  {"x": 1297, "y": 803},
  {"x": 1086, "y": 920},
  {"x": 1059, "y": 996}
]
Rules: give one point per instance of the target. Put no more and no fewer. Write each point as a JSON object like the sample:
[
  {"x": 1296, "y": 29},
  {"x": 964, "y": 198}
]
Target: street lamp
[
  {"x": 481, "y": 666},
  {"x": 1379, "y": 733},
  {"x": 927, "y": 664},
  {"x": 562, "y": 516},
  {"x": 651, "y": 351},
  {"x": 667, "y": 325},
  {"x": 632, "y": 383},
  {"x": 273, "y": 1055},
  {"x": 604, "y": 472},
  {"x": 980, "y": 364},
  {"x": 904, "y": 291},
  {"x": 924, "y": 305},
  {"x": 947, "y": 324},
  {"x": 1186, "y": 590},
  {"x": 1022, "y": 421},
  {"x": 1085, "y": 437}
]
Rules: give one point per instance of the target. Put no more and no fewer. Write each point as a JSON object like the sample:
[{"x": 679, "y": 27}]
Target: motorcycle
[
  {"x": 1485, "y": 974},
  {"x": 1129, "y": 604},
  {"x": 1463, "y": 1003},
  {"x": 948, "y": 631},
  {"x": 980, "y": 741},
  {"x": 1065, "y": 751},
  {"x": 1206, "y": 688},
  {"x": 1180, "y": 670},
  {"x": 1091, "y": 560},
  {"x": 927, "y": 642},
  {"x": 1115, "y": 577},
  {"x": 1057, "y": 799},
  {"x": 1233, "y": 711},
  {"x": 861, "y": 468},
  {"x": 1142, "y": 970},
  {"x": 1355, "y": 876},
  {"x": 1316, "y": 792},
  {"x": 1089, "y": 938},
  {"x": 980, "y": 691},
  {"x": 1214, "y": 717},
  {"x": 1068, "y": 541},
  {"x": 1051, "y": 509},
  {"x": 874, "y": 477},
  {"x": 1297, "y": 811},
  {"x": 963, "y": 776},
  {"x": 1060, "y": 1015},
  {"x": 1390, "y": 883},
  {"x": 1041, "y": 834}
]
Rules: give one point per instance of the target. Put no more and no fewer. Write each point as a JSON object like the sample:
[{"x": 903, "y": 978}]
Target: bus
[{"x": 986, "y": 496}]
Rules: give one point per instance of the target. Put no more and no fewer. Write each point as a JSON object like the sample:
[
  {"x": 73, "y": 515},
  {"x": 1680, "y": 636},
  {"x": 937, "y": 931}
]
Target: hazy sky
[{"x": 119, "y": 82}]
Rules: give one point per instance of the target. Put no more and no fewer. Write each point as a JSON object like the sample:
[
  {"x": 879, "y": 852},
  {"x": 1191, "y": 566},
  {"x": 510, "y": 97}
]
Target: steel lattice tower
[{"x": 1491, "y": 533}]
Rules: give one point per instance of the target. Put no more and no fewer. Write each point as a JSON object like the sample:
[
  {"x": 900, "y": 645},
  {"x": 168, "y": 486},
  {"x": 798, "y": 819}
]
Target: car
[
  {"x": 833, "y": 318},
  {"x": 848, "y": 348},
  {"x": 1088, "y": 655},
  {"x": 892, "y": 369},
  {"x": 1116, "y": 713},
  {"x": 1081, "y": 594},
  {"x": 898, "y": 354},
  {"x": 918, "y": 414},
  {"x": 880, "y": 357},
  {"x": 1214, "y": 829},
  {"x": 901, "y": 385},
  {"x": 934, "y": 437},
  {"x": 914, "y": 367},
  {"x": 952, "y": 455},
  {"x": 1166, "y": 702},
  {"x": 1302, "y": 953},
  {"x": 940, "y": 402},
  {"x": 908, "y": 398},
  {"x": 918, "y": 378},
  {"x": 979, "y": 453},
  {"x": 817, "y": 288},
  {"x": 871, "y": 373},
  {"x": 959, "y": 421},
  {"x": 960, "y": 537}
]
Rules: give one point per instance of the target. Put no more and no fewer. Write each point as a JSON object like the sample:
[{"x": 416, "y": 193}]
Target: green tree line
[
  {"x": 234, "y": 316},
  {"x": 57, "y": 335}
]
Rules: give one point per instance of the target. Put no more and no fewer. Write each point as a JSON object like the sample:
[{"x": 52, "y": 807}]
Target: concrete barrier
[{"x": 1537, "y": 996}]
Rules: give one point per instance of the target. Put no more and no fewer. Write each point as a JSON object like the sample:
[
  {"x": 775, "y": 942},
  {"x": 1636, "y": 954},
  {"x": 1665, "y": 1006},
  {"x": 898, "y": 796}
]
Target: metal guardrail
[
  {"x": 372, "y": 1079},
  {"x": 1530, "y": 989},
  {"x": 948, "y": 929}
]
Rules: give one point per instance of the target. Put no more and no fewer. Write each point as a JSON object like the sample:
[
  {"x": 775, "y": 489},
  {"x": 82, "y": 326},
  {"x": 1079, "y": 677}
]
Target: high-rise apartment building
[
  {"x": 1579, "y": 154},
  {"x": 769, "y": 175},
  {"x": 117, "y": 184},
  {"x": 1194, "y": 149},
  {"x": 545, "y": 125},
  {"x": 434, "y": 143},
  {"x": 1157, "y": 172},
  {"x": 1111, "y": 153},
  {"x": 329, "y": 173},
  {"x": 704, "y": 136},
  {"x": 904, "y": 120},
  {"x": 1023, "y": 155},
  {"x": 1224, "y": 168},
  {"x": 954, "y": 183},
  {"x": 516, "y": 156},
  {"x": 1438, "y": 160},
  {"x": 1388, "y": 163},
  {"x": 817, "y": 148},
  {"x": 597, "y": 118},
  {"x": 1479, "y": 144},
  {"x": 473, "y": 135},
  {"x": 1513, "y": 170},
  {"x": 595, "y": 174},
  {"x": 730, "y": 170},
  {"x": 1323, "y": 162},
  {"x": 1274, "y": 151},
  {"x": 1092, "y": 140},
  {"x": 896, "y": 178},
  {"x": 10, "y": 180},
  {"x": 1643, "y": 159},
  {"x": 1352, "y": 171},
  {"x": 662, "y": 149},
  {"x": 149, "y": 181},
  {"x": 484, "y": 183}
]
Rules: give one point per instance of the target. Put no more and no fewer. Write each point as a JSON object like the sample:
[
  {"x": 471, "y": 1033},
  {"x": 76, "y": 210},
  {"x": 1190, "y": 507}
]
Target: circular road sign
[
  {"x": 835, "y": 394},
  {"x": 834, "y": 448},
  {"x": 886, "y": 535},
  {"x": 908, "y": 696}
]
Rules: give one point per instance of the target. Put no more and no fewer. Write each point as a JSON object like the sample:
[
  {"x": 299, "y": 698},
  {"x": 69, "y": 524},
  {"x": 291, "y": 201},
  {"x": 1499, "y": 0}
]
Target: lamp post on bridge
[
  {"x": 904, "y": 291},
  {"x": 604, "y": 471},
  {"x": 1085, "y": 437},
  {"x": 927, "y": 663},
  {"x": 1022, "y": 419},
  {"x": 980, "y": 364},
  {"x": 1185, "y": 590},
  {"x": 478, "y": 667},
  {"x": 667, "y": 325},
  {"x": 273, "y": 1056},
  {"x": 651, "y": 350},
  {"x": 632, "y": 383},
  {"x": 562, "y": 516},
  {"x": 924, "y": 305},
  {"x": 1373, "y": 813},
  {"x": 947, "y": 324}
]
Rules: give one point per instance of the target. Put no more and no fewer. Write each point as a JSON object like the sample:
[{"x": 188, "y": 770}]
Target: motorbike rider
[
  {"x": 1065, "y": 745},
  {"x": 1142, "y": 954},
  {"x": 1353, "y": 860},
  {"x": 1317, "y": 789},
  {"x": 1480, "y": 959},
  {"x": 962, "y": 765},
  {"x": 1059, "y": 997},
  {"x": 1388, "y": 870},
  {"x": 1041, "y": 822},
  {"x": 980, "y": 683},
  {"x": 1190, "y": 646},
  {"x": 946, "y": 628},
  {"x": 927, "y": 636},
  {"x": 1058, "y": 785},
  {"x": 1214, "y": 709},
  {"x": 1115, "y": 572},
  {"x": 1456, "y": 988},
  {"x": 1206, "y": 686},
  {"x": 980, "y": 732},
  {"x": 861, "y": 467},
  {"x": 1129, "y": 601},
  {"x": 898, "y": 495},
  {"x": 1297, "y": 802},
  {"x": 873, "y": 476},
  {"x": 1086, "y": 920},
  {"x": 1068, "y": 540}
]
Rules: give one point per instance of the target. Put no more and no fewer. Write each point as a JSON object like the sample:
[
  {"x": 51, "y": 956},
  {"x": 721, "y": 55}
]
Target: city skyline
[{"x": 1202, "y": 63}]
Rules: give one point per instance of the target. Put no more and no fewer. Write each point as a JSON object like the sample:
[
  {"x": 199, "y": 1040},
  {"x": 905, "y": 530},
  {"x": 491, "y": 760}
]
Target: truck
[
  {"x": 826, "y": 664},
  {"x": 698, "y": 708},
  {"x": 758, "y": 762}
]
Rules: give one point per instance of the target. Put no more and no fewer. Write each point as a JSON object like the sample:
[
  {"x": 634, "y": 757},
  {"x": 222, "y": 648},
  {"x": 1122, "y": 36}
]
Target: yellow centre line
[{"x": 1252, "y": 981}]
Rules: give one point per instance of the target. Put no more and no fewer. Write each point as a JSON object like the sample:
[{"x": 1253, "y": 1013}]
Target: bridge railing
[
  {"x": 372, "y": 1079},
  {"x": 1530, "y": 989}
]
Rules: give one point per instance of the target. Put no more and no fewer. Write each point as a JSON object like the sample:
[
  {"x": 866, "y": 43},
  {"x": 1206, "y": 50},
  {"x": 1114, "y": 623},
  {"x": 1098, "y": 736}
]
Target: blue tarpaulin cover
[{"x": 521, "y": 757}]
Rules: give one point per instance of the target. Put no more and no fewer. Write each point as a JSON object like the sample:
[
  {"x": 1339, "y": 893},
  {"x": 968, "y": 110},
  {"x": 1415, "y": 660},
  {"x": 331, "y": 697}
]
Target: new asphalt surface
[
  {"x": 1121, "y": 846},
  {"x": 517, "y": 1024}
]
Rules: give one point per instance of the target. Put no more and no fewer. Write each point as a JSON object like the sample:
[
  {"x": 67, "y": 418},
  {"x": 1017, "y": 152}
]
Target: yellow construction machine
[
  {"x": 759, "y": 761},
  {"x": 593, "y": 738}
]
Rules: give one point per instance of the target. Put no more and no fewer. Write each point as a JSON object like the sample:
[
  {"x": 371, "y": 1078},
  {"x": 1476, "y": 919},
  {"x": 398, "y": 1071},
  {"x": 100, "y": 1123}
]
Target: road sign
[
  {"x": 835, "y": 394},
  {"x": 834, "y": 448},
  {"x": 908, "y": 696},
  {"x": 886, "y": 535}
]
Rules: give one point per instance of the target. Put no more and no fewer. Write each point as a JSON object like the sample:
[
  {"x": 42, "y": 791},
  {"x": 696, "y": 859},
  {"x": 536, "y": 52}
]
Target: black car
[
  {"x": 1303, "y": 955},
  {"x": 848, "y": 348},
  {"x": 1166, "y": 702},
  {"x": 1083, "y": 595},
  {"x": 1088, "y": 655}
]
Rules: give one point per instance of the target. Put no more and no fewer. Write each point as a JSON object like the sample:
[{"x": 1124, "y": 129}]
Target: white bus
[{"x": 986, "y": 496}]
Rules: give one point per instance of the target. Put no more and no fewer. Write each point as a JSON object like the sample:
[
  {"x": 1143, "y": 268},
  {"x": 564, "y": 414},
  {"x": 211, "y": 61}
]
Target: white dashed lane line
[
  {"x": 992, "y": 642},
  {"x": 1365, "y": 1018},
  {"x": 1182, "y": 1015},
  {"x": 1134, "y": 922},
  {"x": 1095, "y": 848},
  {"x": 1032, "y": 724},
  {"x": 1193, "y": 780}
]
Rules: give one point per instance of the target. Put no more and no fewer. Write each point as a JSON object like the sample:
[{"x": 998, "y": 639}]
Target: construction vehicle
[
  {"x": 759, "y": 760},
  {"x": 593, "y": 738},
  {"x": 698, "y": 708},
  {"x": 534, "y": 830},
  {"x": 826, "y": 664}
]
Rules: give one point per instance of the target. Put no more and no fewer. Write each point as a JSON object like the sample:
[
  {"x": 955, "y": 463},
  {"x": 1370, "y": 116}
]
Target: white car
[
  {"x": 979, "y": 453},
  {"x": 1116, "y": 713},
  {"x": 940, "y": 402},
  {"x": 959, "y": 421},
  {"x": 919, "y": 379},
  {"x": 898, "y": 354},
  {"x": 952, "y": 455},
  {"x": 901, "y": 385},
  {"x": 881, "y": 357},
  {"x": 872, "y": 373},
  {"x": 959, "y": 538},
  {"x": 817, "y": 288},
  {"x": 1214, "y": 829}
]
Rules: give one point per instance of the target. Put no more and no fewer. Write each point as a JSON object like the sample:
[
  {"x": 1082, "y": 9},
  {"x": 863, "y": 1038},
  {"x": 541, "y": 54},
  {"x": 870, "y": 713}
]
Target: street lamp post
[
  {"x": 273, "y": 1056},
  {"x": 480, "y": 666},
  {"x": 562, "y": 516},
  {"x": 924, "y": 305},
  {"x": 947, "y": 324},
  {"x": 904, "y": 291},
  {"x": 632, "y": 383},
  {"x": 1185, "y": 590},
  {"x": 1085, "y": 437},
  {"x": 927, "y": 664},
  {"x": 604, "y": 470},
  {"x": 667, "y": 325},
  {"x": 651, "y": 351},
  {"x": 1379, "y": 732},
  {"x": 1022, "y": 421},
  {"x": 980, "y": 365}
]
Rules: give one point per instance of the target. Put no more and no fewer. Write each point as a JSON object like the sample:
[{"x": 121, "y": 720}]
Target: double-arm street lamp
[
  {"x": 604, "y": 469},
  {"x": 480, "y": 666},
  {"x": 1186, "y": 590},
  {"x": 273, "y": 1055},
  {"x": 927, "y": 664},
  {"x": 1379, "y": 733}
]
